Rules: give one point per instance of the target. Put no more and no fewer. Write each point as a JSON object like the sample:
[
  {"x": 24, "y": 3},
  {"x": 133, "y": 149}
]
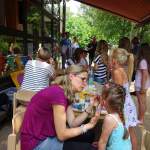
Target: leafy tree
[
  {"x": 104, "y": 25},
  {"x": 107, "y": 26},
  {"x": 77, "y": 26}
]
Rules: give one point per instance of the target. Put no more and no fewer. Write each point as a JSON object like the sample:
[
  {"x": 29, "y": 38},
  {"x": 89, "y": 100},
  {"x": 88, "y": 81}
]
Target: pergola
[{"x": 135, "y": 10}]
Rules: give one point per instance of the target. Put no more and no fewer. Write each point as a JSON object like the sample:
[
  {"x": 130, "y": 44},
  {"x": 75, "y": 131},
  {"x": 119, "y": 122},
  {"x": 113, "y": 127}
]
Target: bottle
[{"x": 91, "y": 77}]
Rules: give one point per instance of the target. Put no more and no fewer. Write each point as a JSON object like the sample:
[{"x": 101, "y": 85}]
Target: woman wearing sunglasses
[{"x": 44, "y": 125}]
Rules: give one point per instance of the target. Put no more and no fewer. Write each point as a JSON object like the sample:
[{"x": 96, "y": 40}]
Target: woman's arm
[
  {"x": 77, "y": 121},
  {"x": 64, "y": 133},
  {"x": 143, "y": 80},
  {"x": 95, "y": 66},
  {"x": 108, "y": 126}
]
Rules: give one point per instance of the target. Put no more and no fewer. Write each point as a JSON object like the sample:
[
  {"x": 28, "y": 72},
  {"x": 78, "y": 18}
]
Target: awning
[{"x": 135, "y": 10}]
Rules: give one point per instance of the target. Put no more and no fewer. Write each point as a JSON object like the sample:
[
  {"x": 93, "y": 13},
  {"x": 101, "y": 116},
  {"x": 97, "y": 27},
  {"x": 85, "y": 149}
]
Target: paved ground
[{"x": 5, "y": 127}]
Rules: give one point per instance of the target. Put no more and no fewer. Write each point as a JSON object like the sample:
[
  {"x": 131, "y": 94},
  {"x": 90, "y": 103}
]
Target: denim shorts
[
  {"x": 100, "y": 81},
  {"x": 50, "y": 143}
]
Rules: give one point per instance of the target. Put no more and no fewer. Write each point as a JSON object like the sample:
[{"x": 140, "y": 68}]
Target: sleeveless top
[{"x": 116, "y": 141}]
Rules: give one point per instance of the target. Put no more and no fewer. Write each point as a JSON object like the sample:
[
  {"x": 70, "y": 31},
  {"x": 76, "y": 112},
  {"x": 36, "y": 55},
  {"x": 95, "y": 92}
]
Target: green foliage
[
  {"x": 94, "y": 22},
  {"x": 78, "y": 26},
  {"x": 34, "y": 17},
  {"x": 144, "y": 33},
  {"x": 3, "y": 46}
]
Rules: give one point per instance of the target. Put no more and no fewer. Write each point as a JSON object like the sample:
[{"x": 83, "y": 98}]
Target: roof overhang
[{"x": 135, "y": 10}]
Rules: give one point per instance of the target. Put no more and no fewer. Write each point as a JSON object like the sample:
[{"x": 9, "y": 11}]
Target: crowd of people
[{"x": 50, "y": 122}]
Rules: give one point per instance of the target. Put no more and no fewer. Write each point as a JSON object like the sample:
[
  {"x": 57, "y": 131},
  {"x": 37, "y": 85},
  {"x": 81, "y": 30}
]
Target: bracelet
[{"x": 83, "y": 128}]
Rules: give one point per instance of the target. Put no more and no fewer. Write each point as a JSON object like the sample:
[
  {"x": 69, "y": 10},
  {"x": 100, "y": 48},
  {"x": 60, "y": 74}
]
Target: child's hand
[
  {"x": 94, "y": 119},
  {"x": 51, "y": 61}
]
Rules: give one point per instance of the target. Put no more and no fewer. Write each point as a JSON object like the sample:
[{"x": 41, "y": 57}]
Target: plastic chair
[
  {"x": 145, "y": 141},
  {"x": 17, "y": 78},
  {"x": 16, "y": 125}
]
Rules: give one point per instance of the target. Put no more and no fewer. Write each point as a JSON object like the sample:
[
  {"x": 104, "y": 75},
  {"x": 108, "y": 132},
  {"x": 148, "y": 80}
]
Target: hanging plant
[{"x": 4, "y": 47}]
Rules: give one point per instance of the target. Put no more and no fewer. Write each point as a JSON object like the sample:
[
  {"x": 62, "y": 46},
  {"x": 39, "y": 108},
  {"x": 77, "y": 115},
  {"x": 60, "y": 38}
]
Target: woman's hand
[
  {"x": 94, "y": 101},
  {"x": 51, "y": 61}
]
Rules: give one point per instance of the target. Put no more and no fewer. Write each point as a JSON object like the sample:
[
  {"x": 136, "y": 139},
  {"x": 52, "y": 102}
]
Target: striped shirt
[
  {"x": 101, "y": 71},
  {"x": 37, "y": 75}
]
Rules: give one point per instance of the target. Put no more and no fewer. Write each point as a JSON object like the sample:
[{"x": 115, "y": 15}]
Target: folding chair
[
  {"x": 22, "y": 98},
  {"x": 16, "y": 125}
]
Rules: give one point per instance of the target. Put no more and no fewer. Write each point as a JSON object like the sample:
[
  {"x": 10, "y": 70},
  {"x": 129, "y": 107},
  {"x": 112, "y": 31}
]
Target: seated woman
[
  {"x": 38, "y": 73},
  {"x": 79, "y": 58},
  {"x": 44, "y": 125}
]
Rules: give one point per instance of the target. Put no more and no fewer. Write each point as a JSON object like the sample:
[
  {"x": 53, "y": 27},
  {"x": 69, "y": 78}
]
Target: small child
[
  {"x": 114, "y": 135},
  {"x": 119, "y": 58}
]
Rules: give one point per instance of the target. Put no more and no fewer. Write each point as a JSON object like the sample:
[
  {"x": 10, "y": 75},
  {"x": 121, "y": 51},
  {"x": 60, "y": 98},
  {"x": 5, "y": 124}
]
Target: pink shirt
[
  {"x": 38, "y": 123},
  {"x": 138, "y": 77}
]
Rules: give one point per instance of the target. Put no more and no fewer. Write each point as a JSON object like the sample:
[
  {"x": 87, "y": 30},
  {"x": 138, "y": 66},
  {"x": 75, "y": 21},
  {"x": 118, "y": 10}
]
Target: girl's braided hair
[{"x": 115, "y": 95}]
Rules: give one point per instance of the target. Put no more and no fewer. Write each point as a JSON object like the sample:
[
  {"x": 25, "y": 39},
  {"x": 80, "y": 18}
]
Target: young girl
[
  {"x": 100, "y": 62},
  {"x": 114, "y": 133},
  {"x": 126, "y": 44},
  {"x": 142, "y": 78},
  {"x": 119, "y": 58}
]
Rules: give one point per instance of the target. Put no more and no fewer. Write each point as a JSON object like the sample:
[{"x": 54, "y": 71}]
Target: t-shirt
[
  {"x": 138, "y": 77},
  {"x": 37, "y": 75},
  {"x": 38, "y": 123}
]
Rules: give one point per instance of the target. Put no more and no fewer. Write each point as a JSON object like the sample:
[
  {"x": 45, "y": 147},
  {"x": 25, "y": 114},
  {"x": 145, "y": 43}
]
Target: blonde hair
[
  {"x": 63, "y": 80},
  {"x": 43, "y": 54},
  {"x": 123, "y": 57}
]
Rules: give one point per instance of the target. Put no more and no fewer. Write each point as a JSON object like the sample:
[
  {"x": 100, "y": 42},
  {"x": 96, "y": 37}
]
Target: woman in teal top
[{"x": 114, "y": 134}]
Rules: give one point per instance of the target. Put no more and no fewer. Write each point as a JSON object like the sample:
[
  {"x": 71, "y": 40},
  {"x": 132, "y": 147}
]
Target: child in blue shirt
[{"x": 114, "y": 135}]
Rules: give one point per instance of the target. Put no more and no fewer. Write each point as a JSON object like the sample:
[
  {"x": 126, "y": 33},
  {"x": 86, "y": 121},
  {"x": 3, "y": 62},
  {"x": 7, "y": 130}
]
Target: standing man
[{"x": 65, "y": 48}]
